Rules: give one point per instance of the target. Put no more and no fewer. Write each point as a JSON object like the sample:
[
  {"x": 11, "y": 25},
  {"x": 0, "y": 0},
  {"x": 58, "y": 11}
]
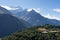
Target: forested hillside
[{"x": 46, "y": 32}]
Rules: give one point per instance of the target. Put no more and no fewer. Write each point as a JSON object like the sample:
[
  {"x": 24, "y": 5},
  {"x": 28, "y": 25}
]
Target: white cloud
[
  {"x": 36, "y": 9},
  {"x": 56, "y": 10},
  {"x": 9, "y": 8},
  {"x": 51, "y": 17}
]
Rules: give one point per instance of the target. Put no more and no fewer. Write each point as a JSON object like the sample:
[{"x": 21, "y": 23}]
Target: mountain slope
[
  {"x": 35, "y": 18},
  {"x": 9, "y": 23}
]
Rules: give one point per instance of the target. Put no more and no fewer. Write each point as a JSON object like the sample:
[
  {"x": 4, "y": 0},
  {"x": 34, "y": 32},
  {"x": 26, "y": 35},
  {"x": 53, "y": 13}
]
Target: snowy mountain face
[
  {"x": 17, "y": 10},
  {"x": 4, "y": 11},
  {"x": 34, "y": 18},
  {"x": 14, "y": 10}
]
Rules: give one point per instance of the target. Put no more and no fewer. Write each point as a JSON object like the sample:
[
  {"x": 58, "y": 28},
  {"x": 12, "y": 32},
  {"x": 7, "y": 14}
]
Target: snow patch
[
  {"x": 36, "y": 9},
  {"x": 51, "y": 16},
  {"x": 9, "y": 8}
]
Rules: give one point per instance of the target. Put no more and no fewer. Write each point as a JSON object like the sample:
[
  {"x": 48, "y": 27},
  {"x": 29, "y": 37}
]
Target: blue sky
[{"x": 48, "y": 8}]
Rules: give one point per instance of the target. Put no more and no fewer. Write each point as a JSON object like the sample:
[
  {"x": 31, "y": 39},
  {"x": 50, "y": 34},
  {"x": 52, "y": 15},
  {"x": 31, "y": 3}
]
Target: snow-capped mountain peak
[{"x": 35, "y": 9}]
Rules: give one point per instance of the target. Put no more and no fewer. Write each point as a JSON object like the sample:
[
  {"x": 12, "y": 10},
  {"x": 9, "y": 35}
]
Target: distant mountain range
[
  {"x": 15, "y": 20},
  {"x": 35, "y": 18}
]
